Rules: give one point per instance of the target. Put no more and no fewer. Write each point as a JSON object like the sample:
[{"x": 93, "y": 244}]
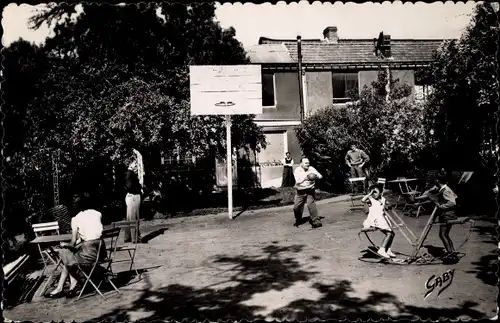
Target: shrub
[{"x": 389, "y": 129}]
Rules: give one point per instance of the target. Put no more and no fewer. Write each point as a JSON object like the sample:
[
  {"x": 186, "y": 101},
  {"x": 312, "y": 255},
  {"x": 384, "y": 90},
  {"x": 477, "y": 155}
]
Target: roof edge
[{"x": 264, "y": 39}]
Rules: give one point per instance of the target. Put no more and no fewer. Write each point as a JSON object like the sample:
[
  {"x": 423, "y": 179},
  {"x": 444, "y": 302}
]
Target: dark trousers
[
  {"x": 305, "y": 197},
  {"x": 357, "y": 171}
]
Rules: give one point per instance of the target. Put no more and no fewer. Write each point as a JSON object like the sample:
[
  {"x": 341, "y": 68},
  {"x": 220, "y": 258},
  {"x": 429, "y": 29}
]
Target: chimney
[
  {"x": 330, "y": 35},
  {"x": 387, "y": 46},
  {"x": 383, "y": 46}
]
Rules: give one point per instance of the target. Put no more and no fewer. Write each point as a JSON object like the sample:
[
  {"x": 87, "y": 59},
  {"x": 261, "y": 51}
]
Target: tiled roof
[
  {"x": 270, "y": 53},
  {"x": 348, "y": 51}
]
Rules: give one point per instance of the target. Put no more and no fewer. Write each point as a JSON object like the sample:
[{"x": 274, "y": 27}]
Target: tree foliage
[
  {"x": 113, "y": 78},
  {"x": 462, "y": 108},
  {"x": 387, "y": 128}
]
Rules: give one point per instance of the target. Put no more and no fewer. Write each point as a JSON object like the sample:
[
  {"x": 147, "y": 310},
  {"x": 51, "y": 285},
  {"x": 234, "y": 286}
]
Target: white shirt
[
  {"x": 88, "y": 223},
  {"x": 301, "y": 177}
]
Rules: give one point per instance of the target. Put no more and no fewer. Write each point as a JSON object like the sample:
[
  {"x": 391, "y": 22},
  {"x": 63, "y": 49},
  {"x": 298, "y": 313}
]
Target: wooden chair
[
  {"x": 42, "y": 229},
  {"x": 106, "y": 263},
  {"x": 129, "y": 248},
  {"x": 13, "y": 269}
]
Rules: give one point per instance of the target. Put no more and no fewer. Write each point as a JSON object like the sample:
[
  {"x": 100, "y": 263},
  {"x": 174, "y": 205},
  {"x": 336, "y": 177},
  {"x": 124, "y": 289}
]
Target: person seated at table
[
  {"x": 86, "y": 230},
  {"x": 445, "y": 199}
]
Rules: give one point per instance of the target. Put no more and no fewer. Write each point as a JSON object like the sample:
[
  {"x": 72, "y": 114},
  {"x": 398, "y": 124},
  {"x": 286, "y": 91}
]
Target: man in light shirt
[
  {"x": 356, "y": 160},
  {"x": 305, "y": 181}
]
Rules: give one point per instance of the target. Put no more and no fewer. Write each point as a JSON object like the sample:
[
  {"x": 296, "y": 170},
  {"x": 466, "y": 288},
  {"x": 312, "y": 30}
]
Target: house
[{"x": 331, "y": 67}]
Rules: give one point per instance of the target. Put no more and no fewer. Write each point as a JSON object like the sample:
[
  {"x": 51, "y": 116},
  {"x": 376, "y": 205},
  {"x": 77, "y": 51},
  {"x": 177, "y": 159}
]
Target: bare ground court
[{"x": 260, "y": 266}]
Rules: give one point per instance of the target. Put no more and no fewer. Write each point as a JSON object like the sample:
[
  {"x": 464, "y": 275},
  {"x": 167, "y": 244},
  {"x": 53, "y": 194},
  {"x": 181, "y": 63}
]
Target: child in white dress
[{"x": 376, "y": 219}]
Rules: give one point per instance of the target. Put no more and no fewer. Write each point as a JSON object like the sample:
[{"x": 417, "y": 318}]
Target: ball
[{"x": 311, "y": 177}]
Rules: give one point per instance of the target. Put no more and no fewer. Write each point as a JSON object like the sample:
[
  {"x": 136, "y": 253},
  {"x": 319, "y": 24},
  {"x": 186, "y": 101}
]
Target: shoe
[
  {"x": 450, "y": 259},
  {"x": 317, "y": 225},
  {"x": 297, "y": 222},
  {"x": 74, "y": 291},
  {"x": 55, "y": 295},
  {"x": 390, "y": 253},
  {"x": 383, "y": 253}
]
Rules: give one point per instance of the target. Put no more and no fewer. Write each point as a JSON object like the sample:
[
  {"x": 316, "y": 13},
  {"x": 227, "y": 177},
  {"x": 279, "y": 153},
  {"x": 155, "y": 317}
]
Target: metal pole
[
  {"x": 55, "y": 176},
  {"x": 388, "y": 85},
  {"x": 301, "y": 94},
  {"x": 229, "y": 162}
]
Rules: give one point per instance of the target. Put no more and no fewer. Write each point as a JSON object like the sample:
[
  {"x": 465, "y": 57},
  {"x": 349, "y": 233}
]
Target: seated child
[
  {"x": 376, "y": 218},
  {"x": 445, "y": 199}
]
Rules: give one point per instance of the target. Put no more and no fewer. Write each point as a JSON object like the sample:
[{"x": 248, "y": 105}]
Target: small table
[
  {"x": 404, "y": 181},
  {"x": 49, "y": 242},
  {"x": 404, "y": 188}
]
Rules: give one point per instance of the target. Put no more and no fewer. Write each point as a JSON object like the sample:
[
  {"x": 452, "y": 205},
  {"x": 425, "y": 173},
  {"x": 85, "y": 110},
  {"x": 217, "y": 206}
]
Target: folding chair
[
  {"x": 112, "y": 235},
  {"x": 353, "y": 194},
  {"x": 42, "y": 229},
  {"x": 382, "y": 181},
  {"x": 130, "y": 249}
]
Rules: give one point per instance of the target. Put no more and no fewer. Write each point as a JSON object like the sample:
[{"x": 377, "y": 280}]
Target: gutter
[
  {"x": 340, "y": 66},
  {"x": 301, "y": 90}
]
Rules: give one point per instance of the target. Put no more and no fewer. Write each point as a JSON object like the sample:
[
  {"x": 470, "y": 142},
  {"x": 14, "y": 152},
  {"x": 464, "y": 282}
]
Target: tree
[
  {"x": 23, "y": 66},
  {"x": 462, "y": 108},
  {"x": 116, "y": 78},
  {"x": 388, "y": 130},
  {"x": 118, "y": 66}
]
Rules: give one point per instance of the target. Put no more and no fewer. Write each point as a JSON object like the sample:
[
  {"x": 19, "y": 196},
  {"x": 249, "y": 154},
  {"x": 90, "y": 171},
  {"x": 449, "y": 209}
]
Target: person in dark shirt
[
  {"x": 288, "y": 180},
  {"x": 133, "y": 201}
]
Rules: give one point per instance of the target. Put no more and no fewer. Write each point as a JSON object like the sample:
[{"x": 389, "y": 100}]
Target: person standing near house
[
  {"x": 134, "y": 186},
  {"x": 305, "y": 179},
  {"x": 288, "y": 180},
  {"x": 356, "y": 160}
]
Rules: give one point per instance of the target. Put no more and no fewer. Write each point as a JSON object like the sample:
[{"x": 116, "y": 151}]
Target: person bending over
[
  {"x": 305, "y": 182},
  {"x": 445, "y": 199},
  {"x": 376, "y": 219}
]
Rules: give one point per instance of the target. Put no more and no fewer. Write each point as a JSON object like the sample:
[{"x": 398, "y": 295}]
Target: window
[
  {"x": 268, "y": 99},
  {"x": 343, "y": 85}
]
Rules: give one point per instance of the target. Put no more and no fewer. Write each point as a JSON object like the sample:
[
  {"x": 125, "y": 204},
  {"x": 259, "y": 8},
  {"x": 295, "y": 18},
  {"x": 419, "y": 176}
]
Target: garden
[{"x": 76, "y": 106}]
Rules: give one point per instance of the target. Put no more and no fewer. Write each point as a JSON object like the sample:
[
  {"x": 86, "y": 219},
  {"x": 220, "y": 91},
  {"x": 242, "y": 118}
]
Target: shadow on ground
[
  {"x": 485, "y": 268},
  {"x": 275, "y": 269}
]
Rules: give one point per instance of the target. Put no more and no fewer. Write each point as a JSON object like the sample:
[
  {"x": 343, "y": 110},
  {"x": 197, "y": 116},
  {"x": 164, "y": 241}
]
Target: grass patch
[{"x": 260, "y": 199}]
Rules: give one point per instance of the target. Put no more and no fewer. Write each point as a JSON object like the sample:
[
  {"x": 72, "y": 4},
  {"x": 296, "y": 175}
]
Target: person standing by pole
[
  {"x": 134, "y": 181},
  {"x": 305, "y": 179}
]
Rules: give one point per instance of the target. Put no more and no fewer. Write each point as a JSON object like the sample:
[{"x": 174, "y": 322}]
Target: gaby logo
[{"x": 440, "y": 283}]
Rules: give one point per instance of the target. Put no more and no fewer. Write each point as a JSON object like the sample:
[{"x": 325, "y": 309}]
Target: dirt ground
[{"x": 259, "y": 266}]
